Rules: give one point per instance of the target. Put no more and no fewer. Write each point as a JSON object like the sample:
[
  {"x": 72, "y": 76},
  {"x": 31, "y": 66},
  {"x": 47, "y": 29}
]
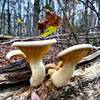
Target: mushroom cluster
[{"x": 33, "y": 52}]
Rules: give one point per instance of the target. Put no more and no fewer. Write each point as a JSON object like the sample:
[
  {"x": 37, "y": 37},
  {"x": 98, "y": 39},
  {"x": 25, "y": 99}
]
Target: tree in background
[
  {"x": 81, "y": 14},
  {"x": 36, "y": 11}
]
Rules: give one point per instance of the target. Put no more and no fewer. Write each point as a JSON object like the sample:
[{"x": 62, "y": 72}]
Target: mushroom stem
[
  {"x": 60, "y": 77},
  {"x": 38, "y": 73}
]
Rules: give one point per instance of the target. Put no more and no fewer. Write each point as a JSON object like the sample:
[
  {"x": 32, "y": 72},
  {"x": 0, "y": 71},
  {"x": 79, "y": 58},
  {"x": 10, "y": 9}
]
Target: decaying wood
[
  {"x": 6, "y": 37},
  {"x": 90, "y": 57},
  {"x": 58, "y": 37},
  {"x": 20, "y": 72},
  {"x": 91, "y": 73},
  {"x": 18, "y": 65},
  {"x": 80, "y": 80},
  {"x": 14, "y": 73},
  {"x": 14, "y": 40},
  {"x": 98, "y": 48}
]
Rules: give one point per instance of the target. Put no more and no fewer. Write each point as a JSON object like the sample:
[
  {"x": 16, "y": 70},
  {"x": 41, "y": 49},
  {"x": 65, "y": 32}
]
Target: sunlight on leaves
[{"x": 49, "y": 31}]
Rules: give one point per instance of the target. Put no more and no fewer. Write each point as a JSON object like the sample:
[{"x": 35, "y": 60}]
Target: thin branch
[
  {"x": 91, "y": 6},
  {"x": 68, "y": 23}
]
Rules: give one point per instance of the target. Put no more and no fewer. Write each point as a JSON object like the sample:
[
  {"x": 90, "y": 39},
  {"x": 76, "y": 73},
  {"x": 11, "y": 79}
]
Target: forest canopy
[{"x": 21, "y": 17}]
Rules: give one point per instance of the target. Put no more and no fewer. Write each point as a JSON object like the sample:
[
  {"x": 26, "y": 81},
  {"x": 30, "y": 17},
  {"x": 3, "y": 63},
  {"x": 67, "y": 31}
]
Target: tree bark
[
  {"x": 99, "y": 12},
  {"x": 9, "y": 14},
  {"x": 36, "y": 10}
]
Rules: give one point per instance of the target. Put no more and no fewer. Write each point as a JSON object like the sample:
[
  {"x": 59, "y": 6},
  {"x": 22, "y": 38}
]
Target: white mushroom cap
[
  {"x": 75, "y": 52},
  {"x": 34, "y": 43},
  {"x": 15, "y": 53},
  {"x": 34, "y": 49}
]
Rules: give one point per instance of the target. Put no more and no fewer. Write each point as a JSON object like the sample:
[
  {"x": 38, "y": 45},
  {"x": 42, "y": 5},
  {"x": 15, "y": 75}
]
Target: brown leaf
[{"x": 51, "y": 19}]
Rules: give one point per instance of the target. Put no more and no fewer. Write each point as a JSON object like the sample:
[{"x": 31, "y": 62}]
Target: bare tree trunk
[
  {"x": 9, "y": 19},
  {"x": 73, "y": 16},
  {"x": 36, "y": 11},
  {"x": 99, "y": 12},
  {"x": 2, "y": 14},
  {"x": 86, "y": 20},
  {"x": 27, "y": 20}
]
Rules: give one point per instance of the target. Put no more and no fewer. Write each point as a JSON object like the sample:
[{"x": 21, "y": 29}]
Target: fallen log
[
  {"x": 90, "y": 57},
  {"x": 90, "y": 73},
  {"x": 6, "y": 37},
  {"x": 82, "y": 84},
  {"x": 20, "y": 72},
  {"x": 75, "y": 88},
  {"x": 14, "y": 73},
  {"x": 19, "y": 65}
]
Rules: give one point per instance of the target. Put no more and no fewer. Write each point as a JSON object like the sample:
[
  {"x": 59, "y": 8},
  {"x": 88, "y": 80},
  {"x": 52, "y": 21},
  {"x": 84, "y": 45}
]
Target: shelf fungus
[
  {"x": 69, "y": 57},
  {"x": 33, "y": 52}
]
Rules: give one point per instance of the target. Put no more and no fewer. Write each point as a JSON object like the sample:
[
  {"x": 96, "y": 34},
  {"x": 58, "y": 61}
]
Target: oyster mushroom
[
  {"x": 14, "y": 53},
  {"x": 33, "y": 52},
  {"x": 69, "y": 57}
]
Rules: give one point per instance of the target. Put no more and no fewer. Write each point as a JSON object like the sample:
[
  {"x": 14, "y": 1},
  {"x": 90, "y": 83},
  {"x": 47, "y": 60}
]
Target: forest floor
[{"x": 84, "y": 84}]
